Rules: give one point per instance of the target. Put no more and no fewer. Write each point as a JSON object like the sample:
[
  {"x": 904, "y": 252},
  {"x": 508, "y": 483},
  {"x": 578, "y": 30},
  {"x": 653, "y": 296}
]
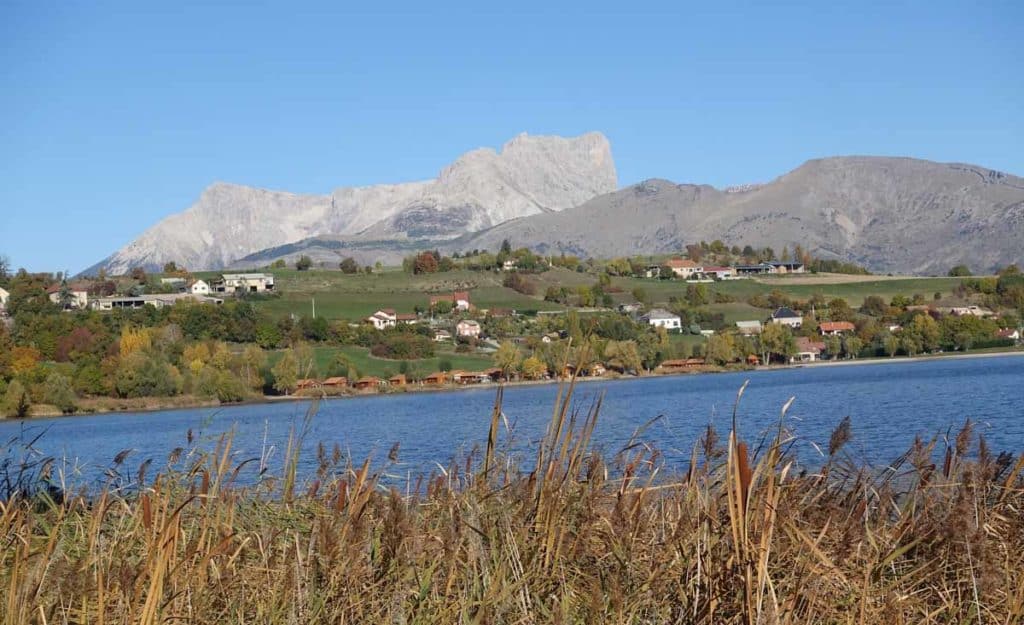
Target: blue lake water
[{"x": 888, "y": 404}]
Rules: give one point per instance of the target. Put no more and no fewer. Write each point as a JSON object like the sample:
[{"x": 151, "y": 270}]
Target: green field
[
  {"x": 853, "y": 292},
  {"x": 366, "y": 364},
  {"x": 353, "y": 297}
]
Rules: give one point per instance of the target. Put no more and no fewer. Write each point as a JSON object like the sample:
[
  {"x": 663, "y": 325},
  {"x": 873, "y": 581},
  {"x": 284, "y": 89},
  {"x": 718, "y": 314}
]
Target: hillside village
[{"x": 237, "y": 336}]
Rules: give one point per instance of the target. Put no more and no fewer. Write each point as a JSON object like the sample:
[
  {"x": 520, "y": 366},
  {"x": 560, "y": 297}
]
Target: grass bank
[{"x": 569, "y": 536}]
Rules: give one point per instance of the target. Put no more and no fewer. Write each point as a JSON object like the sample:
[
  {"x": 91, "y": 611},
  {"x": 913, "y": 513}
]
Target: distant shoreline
[{"x": 154, "y": 405}]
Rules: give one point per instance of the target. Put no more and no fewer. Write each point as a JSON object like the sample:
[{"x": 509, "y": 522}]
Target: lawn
[
  {"x": 366, "y": 364},
  {"x": 353, "y": 297}
]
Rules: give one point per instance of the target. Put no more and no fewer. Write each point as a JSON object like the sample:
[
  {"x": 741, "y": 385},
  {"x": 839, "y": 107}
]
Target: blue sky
[{"x": 118, "y": 114}]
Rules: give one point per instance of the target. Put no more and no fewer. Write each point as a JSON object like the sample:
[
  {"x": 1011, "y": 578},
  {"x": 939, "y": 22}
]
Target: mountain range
[{"x": 555, "y": 195}]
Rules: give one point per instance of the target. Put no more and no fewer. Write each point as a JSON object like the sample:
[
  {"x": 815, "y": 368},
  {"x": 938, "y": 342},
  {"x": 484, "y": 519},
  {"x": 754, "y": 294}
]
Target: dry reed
[{"x": 577, "y": 539}]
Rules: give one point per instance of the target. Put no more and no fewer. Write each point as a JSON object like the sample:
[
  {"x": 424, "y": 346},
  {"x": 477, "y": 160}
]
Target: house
[
  {"x": 787, "y": 267},
  {"x": 78, "y": 295},
  {"x": 719, "y": 273},
  {"x": 749, "y": 328},
  {"x": 760, "y": 268},
  {"x": 652, "y": 271},
  {"x": 160, "y": 300},
  {"x": 596, "y": 370},
  {"x": 406, "y": 318},
  {"x": 368, "y": 383},
  {"x": 438, "y": 378},
  {"x": 835, "y": 328},
  {"x": 753, "y": 360},
  {"x": 629, "y": 309},
  {"x": 509, "y": 265},
  {"x": 787, "y": 316},
  {"x": 976, "y": 311},
  {"x": 807, "y": 350},
  {"x": 244, "y": 283},
  {"x": 459, "y": 300},
  {"x": 383, "y": 318},
  {"x": 684, "y": 268},
  {"x": 661, "y": 318},
  {"x": 441, "y": 336},
  {"x": 550, "y": 337},
  {"x": 1009, "y": 333},
  {"x": 397, "y": 380},
  {"x": 680, "y": 364},
  {"x": 468, "y": 328},
  {"x": 5, "y": 295},
  {"x": 306, "y": 384},
  {"x": 335, "y": 382},
  {"x": 200, "y": 287}
]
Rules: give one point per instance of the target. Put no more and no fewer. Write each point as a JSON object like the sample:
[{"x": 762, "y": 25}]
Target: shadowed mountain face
[
  {"x": 483, "y": 188},
  {"x": 890, "y": 214}
]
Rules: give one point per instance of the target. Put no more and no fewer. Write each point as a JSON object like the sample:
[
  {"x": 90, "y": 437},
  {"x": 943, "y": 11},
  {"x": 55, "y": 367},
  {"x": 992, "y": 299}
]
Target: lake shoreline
[{"x": 154, "y": 405}]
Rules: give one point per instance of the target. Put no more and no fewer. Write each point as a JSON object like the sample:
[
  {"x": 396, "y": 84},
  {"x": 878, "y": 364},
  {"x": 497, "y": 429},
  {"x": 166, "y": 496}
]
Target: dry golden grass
[{"x": 738, "y": 539}]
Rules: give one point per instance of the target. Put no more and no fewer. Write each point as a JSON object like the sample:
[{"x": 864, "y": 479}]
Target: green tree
[
  {"x": 853, "y": 346},
  {"x": 891, "y": 344},
  {"x": 286, "y": 373},
  {"x": 697, "y": 294},
  {"x": 349, "y": 265},
  {"x": 507, "y": 358},
  {"x": 251, "y": 365},
  {"x": 720, "y": 349},
  {"x": 924, "y": 330},
  {"x": 834, "y": 346},
  {"x": 16, "y": 402},
  {"x": 58, "y": 392},
  {"x": 304, "y": 263},
  {"x": 776, "y": 339},
  {"x": 534, "y": 368},
  {"x": 960, "y": 271}
]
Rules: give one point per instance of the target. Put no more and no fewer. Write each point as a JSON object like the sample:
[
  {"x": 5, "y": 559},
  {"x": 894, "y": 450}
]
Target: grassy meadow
[
  {"x": 353, "y": 297},
  {"x": 743, "y": 536},
  {"x": 367, "y": 364}
]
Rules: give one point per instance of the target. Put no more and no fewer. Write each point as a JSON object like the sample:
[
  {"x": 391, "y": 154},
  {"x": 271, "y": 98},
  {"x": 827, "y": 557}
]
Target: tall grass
[{"x": 741, "y": 537}]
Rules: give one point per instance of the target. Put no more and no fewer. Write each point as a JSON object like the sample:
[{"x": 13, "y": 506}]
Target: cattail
[
  {"x": 840, "y": 436},
  {"x": 745, "y": 473}
]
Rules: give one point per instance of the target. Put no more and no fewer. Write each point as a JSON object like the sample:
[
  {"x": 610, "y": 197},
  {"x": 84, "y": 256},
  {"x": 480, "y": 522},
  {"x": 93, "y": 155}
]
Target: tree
[
  {"x": 891, "y": 344},
  {"x": 16, "y": 402},
  {"x": 349, "y": 265},
  {"x": 853, "y": 346},
  {"x": 697, "y": 294},
  {"x": 286, "y": 373},
  {"x": 444, "y": 365},
  {"x": 171, "y": 267},
  {"x": 507, "y": 358},
  {"x": 694, "y": 252},
  {"x": 304, "y": 263},
  {"x": 138, "y": 274},
  {"x": 924, "y": 331},
  {"x": 251, "y": 366},
  {"x": 57, "y": 391},
  {"x": 534, "y": 368},
  {"x": 776, "y": 339},
  {"x": 720, "y": 349},
  {"x": 833, "y": 345},
  {"x": 960, "y": 271},
  {"x": 425, "y": 262},
  {"x": 5, "y": 267}
]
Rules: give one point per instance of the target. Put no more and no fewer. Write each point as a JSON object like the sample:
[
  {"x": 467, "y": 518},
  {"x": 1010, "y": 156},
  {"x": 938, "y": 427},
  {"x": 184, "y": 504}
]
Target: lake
[{"x": 888, "y": 404}]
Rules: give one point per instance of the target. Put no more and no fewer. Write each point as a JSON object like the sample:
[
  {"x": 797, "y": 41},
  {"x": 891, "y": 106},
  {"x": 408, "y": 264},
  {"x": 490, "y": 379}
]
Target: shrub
[
  {"x": 58, "y": 392},
  {"x": 16, "y": 402}
]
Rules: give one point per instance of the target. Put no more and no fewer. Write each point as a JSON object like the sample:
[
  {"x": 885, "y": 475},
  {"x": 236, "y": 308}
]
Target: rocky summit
[{"x": 483, "y": 188}]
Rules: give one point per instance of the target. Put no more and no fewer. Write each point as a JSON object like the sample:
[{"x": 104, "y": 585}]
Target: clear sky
[{"x": 115, "y": 115}]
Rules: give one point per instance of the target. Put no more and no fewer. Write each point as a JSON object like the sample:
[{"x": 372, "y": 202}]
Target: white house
[
  {"x": 661, "y": 318},
  {"x": 383, "y": 318},
  {"x": 976, "y": 311},
  {"x": 748, "y": 328},
  {"x": 441, "y": 336},
  {"x": 468, "y": 328},
  {"x": 4, "y": 296},
  {"x": 807, "y": 350},
  {"x": 719, "y": 273},
  {"x": 160, "y": 300},
  {"x": 684, "y": 268},
  {"x": 244, "y": 283},
  {"x": 78, "y": 295},
  {"x": 200, "y": 287},
  {"x": 787, "y": 316}
]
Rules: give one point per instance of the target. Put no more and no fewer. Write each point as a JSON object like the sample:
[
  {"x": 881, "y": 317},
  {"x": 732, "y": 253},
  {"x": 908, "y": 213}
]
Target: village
[{"x": 680, "y": 315}]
